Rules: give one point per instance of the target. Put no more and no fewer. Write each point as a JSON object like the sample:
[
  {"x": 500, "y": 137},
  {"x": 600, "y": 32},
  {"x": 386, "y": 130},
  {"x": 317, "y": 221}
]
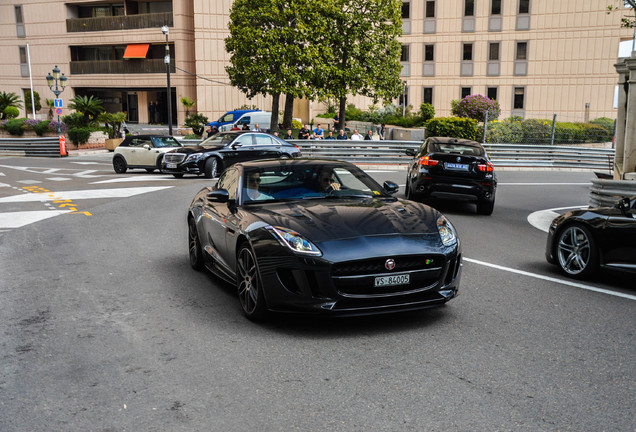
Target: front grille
[
  {"x": 173, "y": 157},
  {"x": 377, "y": 265}
]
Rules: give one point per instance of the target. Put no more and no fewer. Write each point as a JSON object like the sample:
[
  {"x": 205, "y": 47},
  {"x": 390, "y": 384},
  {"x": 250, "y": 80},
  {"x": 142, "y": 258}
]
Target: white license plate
[
  {"x": 457, "y": 166},
  {"x": 171, "y": 165},
  {"x": 398, "y": 279}
]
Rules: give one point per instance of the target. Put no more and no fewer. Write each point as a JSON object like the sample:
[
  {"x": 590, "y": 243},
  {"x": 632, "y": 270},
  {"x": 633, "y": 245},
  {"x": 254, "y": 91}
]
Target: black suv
[{"x": 220, "y": 151}]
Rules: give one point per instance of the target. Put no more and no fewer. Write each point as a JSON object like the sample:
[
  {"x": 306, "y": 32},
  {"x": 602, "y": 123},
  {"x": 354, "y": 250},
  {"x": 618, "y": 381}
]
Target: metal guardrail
[
  {"x": 502, "y": 155},
  {"x": 605, "y": 193},
  {"x": 47, "y": 146}
]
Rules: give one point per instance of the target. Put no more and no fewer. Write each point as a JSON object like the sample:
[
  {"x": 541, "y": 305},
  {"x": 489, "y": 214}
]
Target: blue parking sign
[{"x": 58, "y": 103}]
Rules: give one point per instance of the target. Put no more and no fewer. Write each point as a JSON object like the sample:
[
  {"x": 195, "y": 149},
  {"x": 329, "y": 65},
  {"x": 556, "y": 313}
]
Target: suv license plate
[
  {"x": 171, "y": 165},
  {"x": 457, "y": 166},
  {"x": 398, "y": 279}
]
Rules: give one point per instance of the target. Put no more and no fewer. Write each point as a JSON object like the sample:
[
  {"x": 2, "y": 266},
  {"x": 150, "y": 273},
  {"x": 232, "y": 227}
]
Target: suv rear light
[
  {"x": 426, "y": 161},
  {"x": 487, "y": 167}
]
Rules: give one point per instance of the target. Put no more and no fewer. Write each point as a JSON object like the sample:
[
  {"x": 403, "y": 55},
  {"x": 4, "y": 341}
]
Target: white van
[{"x": 262, "y": 118}]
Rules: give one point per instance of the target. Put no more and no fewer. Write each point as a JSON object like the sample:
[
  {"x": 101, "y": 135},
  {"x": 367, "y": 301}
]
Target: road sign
[
  {"x": 58, "y": 111},
  {"x": 58, "y": 103}
]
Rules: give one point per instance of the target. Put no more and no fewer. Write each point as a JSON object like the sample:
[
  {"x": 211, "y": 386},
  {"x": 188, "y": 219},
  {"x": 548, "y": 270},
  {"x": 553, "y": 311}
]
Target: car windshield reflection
[{"x": 161, "y": 142}]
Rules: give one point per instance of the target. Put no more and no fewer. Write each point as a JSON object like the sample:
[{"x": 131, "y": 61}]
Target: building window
[
  {"x": 406, "y": 10},
  {"x": 19, "y": 21},
  {"x": 467, "y": 52},
  {"x": 403, "y": 101},
  {"x": 493, "y": 59},
  {"x": 521, "y": 59},
  {"x": 522, "y": 51},
  {"x": 24, "y": 61},
  {"x": 469, "y": 8},
  {"x": 465, "y": 91},
  {"x": 519, "y": 98},
  {"x": 523, "y": 15},
  {"x": 524, "y": 6},
  {"x": 404, "y": 56},
  {"x": 428, "y": 95},
  {"x": 495, "y": 7},
  {"x": 430, "y": 9},
  {"x": 429, "y": 60},
  {"x": 491, "y": 93}
]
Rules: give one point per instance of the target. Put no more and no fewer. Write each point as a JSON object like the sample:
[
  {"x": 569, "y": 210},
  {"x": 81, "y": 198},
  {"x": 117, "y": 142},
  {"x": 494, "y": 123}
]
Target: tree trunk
[
  {"x": 273, "y": 125},
  {"x": 289, "y": 112},
  {"x": 341, "y": 112}
]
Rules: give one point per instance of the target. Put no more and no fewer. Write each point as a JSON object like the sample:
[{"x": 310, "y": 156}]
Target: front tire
[
  {"x": 576, "y": 251},
  {"x": 119, "y": 165},
  {"x": 248, "y": 285},
  {"x": 211, "y": 167},
  {"x": 194, "y": 246}
]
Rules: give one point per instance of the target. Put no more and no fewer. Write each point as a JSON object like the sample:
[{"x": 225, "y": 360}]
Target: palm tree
[
  {"x": 7, "y": 100},
  {"x": 187, "y": 104},
  {"x": 90, "y": 107}
]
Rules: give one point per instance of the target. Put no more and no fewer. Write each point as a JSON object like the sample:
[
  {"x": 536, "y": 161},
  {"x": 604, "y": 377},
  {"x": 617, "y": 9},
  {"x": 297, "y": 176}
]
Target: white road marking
[
  {"x": 82, "y": 194},
  {"x": 135, "y": 179},
  {"x": 90, "y": 163},
  {"x": 551, "y": 279},
  {"x": 20, "y": 219},
  {"x": 4, "y": 185},
  {"x": 542, "y": 219},
  {"x": 58, "y": 178},
  {"x": 29, "y": 181}
]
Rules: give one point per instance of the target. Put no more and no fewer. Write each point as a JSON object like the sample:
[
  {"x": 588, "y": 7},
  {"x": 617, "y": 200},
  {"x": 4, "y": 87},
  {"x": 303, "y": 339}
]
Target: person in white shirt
[
  {"x": 356, "y": 136},
  {"x": 256, "y": 128}
]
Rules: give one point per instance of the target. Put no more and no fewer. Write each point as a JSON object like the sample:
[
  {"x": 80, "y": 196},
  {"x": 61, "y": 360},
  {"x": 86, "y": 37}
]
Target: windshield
[
  {"x": 218, "y": 140},
  {"x": 165, "y": 142},
  {"x": 308, "y": 181}
]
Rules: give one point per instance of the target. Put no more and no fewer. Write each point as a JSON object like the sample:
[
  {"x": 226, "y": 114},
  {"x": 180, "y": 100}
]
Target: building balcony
[
  {"x": 120, "y": 67},
  {"x": 124, "y": 22}
]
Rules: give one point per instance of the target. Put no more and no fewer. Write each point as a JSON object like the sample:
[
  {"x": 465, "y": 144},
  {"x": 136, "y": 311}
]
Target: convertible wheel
[
  {"x": 119, "y": 165},
  {"x": 211, "y": 166},
  {"x": 150, "y": 170},
  {"x": 248, "y": 284},
  {"x": 576, "y": 252},
  {"x": 194, "y": 247}
]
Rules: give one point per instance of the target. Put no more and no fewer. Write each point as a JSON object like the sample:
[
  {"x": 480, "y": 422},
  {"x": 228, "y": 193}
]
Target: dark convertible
[
  {"x": 320, "y": 236},
  {"x": 581, "y": 241},
  {"x": 220, "y": 151}
]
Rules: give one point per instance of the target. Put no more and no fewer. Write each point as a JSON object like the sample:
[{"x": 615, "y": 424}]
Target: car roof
[
  {"x": 147, "y": 136},
  {"x": 450, "y": 140}
]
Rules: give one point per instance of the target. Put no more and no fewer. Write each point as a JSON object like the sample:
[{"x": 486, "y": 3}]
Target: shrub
[
  {"x": 11, "y": 112},
  {"x": 41, "y": 127},
  {"x": 476, "y": 107},
  {"x": 36, "y": 99},
  {"x": 502, "y": 132},
  {"x": 456, "y": 127},
  {"x": 197, "y": 122},
  {"x": 296, "y": 124},
  {"x": 53, "y": 126},
  {"x": 75, "y": 120},
  {"x": 15, "y": 126},
  {"x": 606, "y": 123},
  {"x": 427, "y": 112},
  {"x": 79, "y": 135}
]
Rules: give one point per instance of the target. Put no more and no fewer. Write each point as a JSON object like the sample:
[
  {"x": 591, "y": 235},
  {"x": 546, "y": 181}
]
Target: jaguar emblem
[{"x": 389, "y": 264}]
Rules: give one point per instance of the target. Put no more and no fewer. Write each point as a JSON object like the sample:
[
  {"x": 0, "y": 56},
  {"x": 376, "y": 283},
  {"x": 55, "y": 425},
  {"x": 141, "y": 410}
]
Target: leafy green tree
[
  {"x": 89, "y": 106},
  {"x": 7, "y": 100},
  {"x": 36, "y": 100},
  {"x": 113, "y": 123},
  {"x": 272, "y": 45},
  {"x": 361, "y": 50},
  {"x": 628, "y": 22}
]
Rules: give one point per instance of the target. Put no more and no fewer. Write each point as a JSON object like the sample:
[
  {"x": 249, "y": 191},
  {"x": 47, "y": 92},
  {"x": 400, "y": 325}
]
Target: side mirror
[
  {"x": 219, "y": 195},
  {"x": 391, "y": 187},
  {"x": 147, "y": 146},
  {"x": 410, "y": 152}
]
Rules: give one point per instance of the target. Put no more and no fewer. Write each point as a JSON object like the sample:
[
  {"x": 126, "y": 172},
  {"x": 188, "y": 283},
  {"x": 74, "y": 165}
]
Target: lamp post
[
  {"x": 166, "y": 30},
  {"x": 52, "y": 80}
]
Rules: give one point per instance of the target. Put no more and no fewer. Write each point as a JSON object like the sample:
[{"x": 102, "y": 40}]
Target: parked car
[
  {"x": 321, "y": 237},
  {"x": 581, "y": 241},
  {"x": 220, "y": 151},
  {"x": 262, "y": 118},
  {"x": 453, "y": 169},
  {"x": 229, "y": 118},
  {"x": 142, "y": 151}
]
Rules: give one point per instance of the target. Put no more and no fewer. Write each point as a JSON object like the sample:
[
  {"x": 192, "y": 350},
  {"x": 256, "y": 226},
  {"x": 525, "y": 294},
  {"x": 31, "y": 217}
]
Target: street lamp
[
  {"x": 52, "y": 80},
  {"x": 165, "y": 30}
]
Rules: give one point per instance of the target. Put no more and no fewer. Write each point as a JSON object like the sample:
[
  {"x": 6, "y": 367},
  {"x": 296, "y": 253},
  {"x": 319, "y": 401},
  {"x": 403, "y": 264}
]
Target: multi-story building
[{"x": 536, "y": 57}]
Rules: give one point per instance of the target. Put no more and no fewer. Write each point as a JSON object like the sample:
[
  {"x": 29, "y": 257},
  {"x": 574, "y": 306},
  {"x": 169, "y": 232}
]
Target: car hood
[{"x": 328, "y": 220}]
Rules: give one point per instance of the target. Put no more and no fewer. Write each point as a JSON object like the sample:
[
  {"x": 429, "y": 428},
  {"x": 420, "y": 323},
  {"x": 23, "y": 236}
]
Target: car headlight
[
  {"x": 194, "y": 157},
  {"x": 294, "y": 241},
  {"x": 446, "y": 231}
]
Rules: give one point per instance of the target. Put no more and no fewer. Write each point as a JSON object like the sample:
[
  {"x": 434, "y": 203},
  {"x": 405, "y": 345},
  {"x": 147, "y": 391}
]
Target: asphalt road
[{"x": 106, "y": 328}]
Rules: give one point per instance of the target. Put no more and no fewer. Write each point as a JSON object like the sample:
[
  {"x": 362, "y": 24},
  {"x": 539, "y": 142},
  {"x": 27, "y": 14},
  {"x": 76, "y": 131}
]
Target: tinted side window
[
  {"x": 244, "y": 140},
  {"x": 229, "y": 182},
  {"x": 262, "y": 139}
]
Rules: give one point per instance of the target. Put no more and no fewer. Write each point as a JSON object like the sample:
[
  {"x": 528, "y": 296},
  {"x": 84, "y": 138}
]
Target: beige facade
[{"x": 556, "y": 58}]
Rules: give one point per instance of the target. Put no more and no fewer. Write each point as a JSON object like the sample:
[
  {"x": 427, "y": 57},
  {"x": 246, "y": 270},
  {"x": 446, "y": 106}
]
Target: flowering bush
[
  {"x": 53, "y": 126},
  {"x": 476, "y": 107}
]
